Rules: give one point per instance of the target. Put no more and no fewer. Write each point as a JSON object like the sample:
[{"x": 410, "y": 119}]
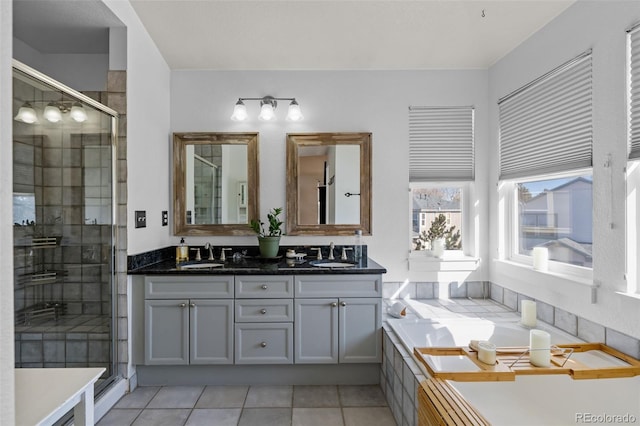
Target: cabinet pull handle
[
  {"x": 193, "y": 305},
  {"x": 263, "y": 311},
  {"x": 343, "y": 303},
  {"x": 264, "y": 286},
  {"x": 263, "y": 344},
  {"x": 183, "y": 305},
  {"x": 334, "y": 304}
]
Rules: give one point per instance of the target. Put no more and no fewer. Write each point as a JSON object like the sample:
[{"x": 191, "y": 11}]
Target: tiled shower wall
[{"x": 83, "y": 338}]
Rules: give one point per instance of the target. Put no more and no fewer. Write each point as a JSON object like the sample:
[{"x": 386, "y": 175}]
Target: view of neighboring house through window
[
  {"x": 556, "y": 214},
  {"x": 546, "y": 156},
  {"x": 441, "y": 163},
  {"x": 436, "y": 213}
]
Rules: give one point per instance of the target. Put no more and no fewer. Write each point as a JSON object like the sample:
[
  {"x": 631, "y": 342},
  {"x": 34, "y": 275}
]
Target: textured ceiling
[
  {"x": 328, "y": 35},
  {"x": 298, "y": 34}
]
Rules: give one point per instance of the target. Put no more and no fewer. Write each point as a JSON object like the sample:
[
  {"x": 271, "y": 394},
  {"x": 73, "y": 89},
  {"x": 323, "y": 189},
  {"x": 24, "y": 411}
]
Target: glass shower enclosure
[{"x": 64, "y": 226}]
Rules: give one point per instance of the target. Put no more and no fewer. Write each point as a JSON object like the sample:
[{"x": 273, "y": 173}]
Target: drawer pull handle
[
  {"x": 263, "y": 311},
  {"x": 265, "y": 287},
  {"x": 263, "y": 344},
  {"x": 183, "y": 305},
  {"x": 193, "y": 305},
  {"x": 343, "y": 303},
  {"x": 334, "y": 304}
]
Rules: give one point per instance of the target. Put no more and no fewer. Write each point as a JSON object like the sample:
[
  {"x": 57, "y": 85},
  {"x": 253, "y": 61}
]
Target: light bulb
[
  {"x": 294, "y": 113},
  {"x": 239, "y": 111},
  {"x": 26, "y": 114},
  {"x": 78, "y": 113},
  {"x": 52, "y": 113},
  {"x": 266, "y": 112}
]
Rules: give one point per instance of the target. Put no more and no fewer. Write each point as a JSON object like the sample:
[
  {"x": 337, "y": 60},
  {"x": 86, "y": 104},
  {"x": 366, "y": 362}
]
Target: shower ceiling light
[
  {"x": 268, "y": 105},
  {"x": 78, "y": 113},
  {"x": 26, "y": 114}
]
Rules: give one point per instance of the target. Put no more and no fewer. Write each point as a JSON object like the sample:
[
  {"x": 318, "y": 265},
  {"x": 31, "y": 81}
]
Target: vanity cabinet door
[
  {"x": 360, "y": 330},
  {"x": 316, "y": 331},
  {"x": 211, "y": 331},
  {"x": 166, "y": 332}
]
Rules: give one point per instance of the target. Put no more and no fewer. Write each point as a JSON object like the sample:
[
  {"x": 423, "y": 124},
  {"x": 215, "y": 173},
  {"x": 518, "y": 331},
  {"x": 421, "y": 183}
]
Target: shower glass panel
[{"x": 64, "y": 226}]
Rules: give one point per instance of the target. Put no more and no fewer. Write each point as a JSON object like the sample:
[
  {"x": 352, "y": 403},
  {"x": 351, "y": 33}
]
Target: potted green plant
[
  {"x": 440, "y": 237},
  {"x": 269, "y": 243}
]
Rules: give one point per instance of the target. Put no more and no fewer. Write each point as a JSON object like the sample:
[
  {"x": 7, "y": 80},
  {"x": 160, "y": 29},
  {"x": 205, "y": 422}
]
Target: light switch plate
[
  {"x": 141, "y": 218},
  {"x": 165, "y": 218}
]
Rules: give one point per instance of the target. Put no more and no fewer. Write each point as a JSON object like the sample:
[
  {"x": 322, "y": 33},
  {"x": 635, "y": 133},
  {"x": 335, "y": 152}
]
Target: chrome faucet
[
  {"x": 197, "y": 250},
  {"x": 209, "y": 246},
  {"x": 331, "y": 251},
  {"x": 344, "y": 252},
  {"x": 223, "y": 257},
  {"x": 319, "y": 257}
]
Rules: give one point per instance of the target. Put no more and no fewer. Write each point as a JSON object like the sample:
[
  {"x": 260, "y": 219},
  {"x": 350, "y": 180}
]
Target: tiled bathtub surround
[
  {"x": 400, "y": 376},
  {"x": 569, "y": 322},
  {"x": 477, "y": 290}
]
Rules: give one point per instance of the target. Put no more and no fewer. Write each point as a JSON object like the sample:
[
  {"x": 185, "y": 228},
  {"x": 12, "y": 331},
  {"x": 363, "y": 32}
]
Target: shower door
[{"x": 64, "y": 226}]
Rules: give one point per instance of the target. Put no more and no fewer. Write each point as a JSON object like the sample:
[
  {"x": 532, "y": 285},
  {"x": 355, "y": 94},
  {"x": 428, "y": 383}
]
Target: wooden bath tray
[{"x": 514, "y": 361}]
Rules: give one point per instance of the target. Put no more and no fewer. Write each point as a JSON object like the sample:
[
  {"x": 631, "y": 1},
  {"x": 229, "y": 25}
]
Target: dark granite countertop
[
  {"x": 257, "y": 267},
  {"x": 156, "y": 263}
]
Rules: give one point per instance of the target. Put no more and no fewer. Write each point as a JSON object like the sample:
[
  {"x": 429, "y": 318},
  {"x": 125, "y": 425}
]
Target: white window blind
[
  {"x": 441, "y": 143},
  {"x": 634, "y": 93},
  {"x": 546, "y": 126}
]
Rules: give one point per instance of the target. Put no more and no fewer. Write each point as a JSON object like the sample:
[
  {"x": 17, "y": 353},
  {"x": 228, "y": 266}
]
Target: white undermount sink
[
  {"x": 334, "y": 265},
  {"x": 201, "y": 265}
]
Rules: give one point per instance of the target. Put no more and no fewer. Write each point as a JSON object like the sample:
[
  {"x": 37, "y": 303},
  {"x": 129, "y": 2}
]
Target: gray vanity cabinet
[
  {"x": 264, "y": 319},
  {"x": 345, "y": 328},
  {"x": 194, "y": 329}
]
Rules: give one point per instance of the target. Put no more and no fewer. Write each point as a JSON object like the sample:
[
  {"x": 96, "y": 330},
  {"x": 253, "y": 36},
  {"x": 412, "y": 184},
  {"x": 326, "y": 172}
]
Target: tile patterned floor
[{"x": 251, "y": 406}]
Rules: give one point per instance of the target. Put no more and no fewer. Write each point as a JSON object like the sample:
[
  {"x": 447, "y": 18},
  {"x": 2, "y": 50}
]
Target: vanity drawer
[
  {"x": 264, "y": 286},
  {"x": 264, "y": 310},
  {"x": 181, "y": 287},
  {"x": 269, "y": 343},
  {"x": 347, "y": 285}
]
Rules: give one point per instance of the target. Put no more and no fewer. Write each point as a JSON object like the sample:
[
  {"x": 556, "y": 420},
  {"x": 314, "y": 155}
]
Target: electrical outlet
[
  {"x": 141, "y": 218},
  {"x": 165, "y": 218}
]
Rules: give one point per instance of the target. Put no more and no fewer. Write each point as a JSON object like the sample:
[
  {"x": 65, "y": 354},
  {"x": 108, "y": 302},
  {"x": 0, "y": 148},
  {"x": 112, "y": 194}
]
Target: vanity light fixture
[
  {"x": 52, "y": 112},
  {"x": 78, "y": 113},
  {"x": 26, "y": 114},
  {"x": 268, "y": 105}
]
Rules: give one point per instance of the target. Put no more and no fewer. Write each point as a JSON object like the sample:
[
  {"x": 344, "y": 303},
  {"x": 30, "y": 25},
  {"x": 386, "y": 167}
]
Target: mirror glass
[
  {"x": 328, "y": 183},
  {"x": 215, "y": 183}
]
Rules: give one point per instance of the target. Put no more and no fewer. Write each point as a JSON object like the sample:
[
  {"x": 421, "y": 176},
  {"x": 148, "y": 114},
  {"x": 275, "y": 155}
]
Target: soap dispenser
[{"x": 182, "y": 252}]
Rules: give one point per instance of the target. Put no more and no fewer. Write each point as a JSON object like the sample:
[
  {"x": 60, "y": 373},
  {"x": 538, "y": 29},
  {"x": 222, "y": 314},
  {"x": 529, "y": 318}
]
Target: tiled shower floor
[
  {"x": 69, "y": 341},
  {"x": 251, "y": 406}
]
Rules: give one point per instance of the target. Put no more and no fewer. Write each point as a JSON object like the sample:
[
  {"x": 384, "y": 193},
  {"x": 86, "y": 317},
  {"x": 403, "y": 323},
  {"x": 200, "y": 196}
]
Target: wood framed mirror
[
  {"x": 215, "y": 183},
  {"x": 328, "y": 183}
]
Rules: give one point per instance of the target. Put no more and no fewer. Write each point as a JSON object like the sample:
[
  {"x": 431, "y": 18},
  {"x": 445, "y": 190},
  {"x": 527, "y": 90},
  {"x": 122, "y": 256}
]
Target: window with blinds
[
  {"x": 441, "y": 144},
  {"x": 634, "y": 92},
  {"x": 546, "y": 126}
]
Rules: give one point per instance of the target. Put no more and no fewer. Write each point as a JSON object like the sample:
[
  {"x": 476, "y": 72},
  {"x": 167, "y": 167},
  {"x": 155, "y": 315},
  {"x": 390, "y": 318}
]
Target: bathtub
[{"x": 529, "y": 400}]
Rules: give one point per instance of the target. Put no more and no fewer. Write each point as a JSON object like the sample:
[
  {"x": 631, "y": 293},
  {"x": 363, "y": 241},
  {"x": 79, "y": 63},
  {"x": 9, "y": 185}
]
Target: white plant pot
[{"x": 437, "y": 247}]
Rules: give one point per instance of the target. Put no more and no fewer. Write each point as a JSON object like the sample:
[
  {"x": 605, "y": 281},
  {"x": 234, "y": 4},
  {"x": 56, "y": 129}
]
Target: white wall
[
  {"x": 600, "y": 25},
  {"x": 337, "y": 101},
  {"x": 148, "y": 152},
  {"x": 82, "y": 72},
  {"x": 7, "y": 410}
]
